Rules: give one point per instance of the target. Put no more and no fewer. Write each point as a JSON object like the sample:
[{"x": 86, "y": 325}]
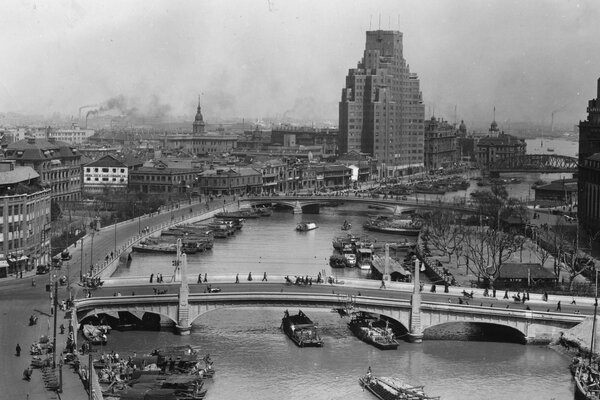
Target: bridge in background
[
  {"x": 541, "y": 163},
  {"x": 298, "y": 203}
]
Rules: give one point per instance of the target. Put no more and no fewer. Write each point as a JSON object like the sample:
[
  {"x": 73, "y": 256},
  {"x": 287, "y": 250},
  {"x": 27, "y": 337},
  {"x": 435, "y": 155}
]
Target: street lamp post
[
  {"x": 92, "y": 253},
  {"x": 81, "y": 271},
  {"x": 115, "y": 237}
]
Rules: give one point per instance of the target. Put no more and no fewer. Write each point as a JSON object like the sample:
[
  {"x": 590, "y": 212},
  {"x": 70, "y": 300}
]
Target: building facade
[
  {"x": 74, "y": 135},
  {"x": 498, "y": 146},
  {"x": 440, "y": 144},
  {"x": 589, "y": 130},
  {"x": 381, "y": 111},
  {"x": 57, "y": 163},
  {"x": 228, "y": 181},
  {"x": 24, "y": 218},
  {"x": 166, "y": 178},
  {"x": 294, "y": 136},
  {"x": 210, "y": 143},
  {"x": 588, "y": 207},
  {"x": 106, "y": 173}
]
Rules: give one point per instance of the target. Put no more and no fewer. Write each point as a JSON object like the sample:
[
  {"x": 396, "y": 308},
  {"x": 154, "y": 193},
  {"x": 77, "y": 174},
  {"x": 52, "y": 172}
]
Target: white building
[
  {"x": 106, "y": 173},
  {"x": 75, "y": 135}
]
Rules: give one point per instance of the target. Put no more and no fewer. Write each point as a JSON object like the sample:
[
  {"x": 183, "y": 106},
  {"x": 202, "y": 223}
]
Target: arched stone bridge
[
  {"x": 297, "y": 203},
  {"x": 549, "y": 163},
  {"x": 534, "y": 326}
]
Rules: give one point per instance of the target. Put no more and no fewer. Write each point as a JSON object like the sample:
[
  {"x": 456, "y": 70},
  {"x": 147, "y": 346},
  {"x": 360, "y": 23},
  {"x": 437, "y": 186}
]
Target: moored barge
[
  {"x": 385, "y": 388},
  {"x": 301, "y": 330}
]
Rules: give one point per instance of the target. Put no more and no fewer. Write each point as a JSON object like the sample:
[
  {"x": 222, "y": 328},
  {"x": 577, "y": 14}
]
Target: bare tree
[
  {"x": 543, "y": 254},
  {"x": 438, "y": 230},
  {"x": 571, "y": 258},
  {"x": 489, "y": 249}
]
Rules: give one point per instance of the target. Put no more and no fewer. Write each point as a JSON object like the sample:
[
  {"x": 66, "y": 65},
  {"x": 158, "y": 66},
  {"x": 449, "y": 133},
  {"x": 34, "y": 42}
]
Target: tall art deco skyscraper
[{"x": 382, "y": 111}]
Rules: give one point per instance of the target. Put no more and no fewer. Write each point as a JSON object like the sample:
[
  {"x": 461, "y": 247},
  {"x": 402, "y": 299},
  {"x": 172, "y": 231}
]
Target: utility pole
[
  {"x": 115, "y": 238},
  {"x": 92, "y": 253},
  {"x": 81, "y": 271},
  {"x": 54, "y": 305}
]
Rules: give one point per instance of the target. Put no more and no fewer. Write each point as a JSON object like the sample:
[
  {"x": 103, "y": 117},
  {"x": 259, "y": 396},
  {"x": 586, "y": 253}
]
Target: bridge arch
[
  {"x": 169, "y": 313},
  {"x": 474, "y": 331}
]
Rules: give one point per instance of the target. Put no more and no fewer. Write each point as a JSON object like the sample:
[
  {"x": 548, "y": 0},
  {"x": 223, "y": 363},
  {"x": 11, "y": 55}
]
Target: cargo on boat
[
  {"x": 306, "y": 226},
  {"x": 301, "y": 330},
  {"x": 385, "y": 388},
  {"x": 384, "y": 224},
  {"x": 373, "y": 331}
]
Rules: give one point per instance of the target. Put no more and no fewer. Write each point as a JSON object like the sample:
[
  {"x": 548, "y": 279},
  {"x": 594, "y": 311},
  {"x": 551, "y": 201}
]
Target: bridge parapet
[{"x": 532, "y": 324}]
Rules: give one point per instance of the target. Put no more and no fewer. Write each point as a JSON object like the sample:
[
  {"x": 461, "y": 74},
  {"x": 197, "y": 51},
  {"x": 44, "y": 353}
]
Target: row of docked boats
[
  {"x": 365, "y": 326},
  {"x": 251, "y": 213},
  {"x": 352, "y": 251},
  {"x": 194, "y": 239},
  {"x": 173, "y": 373}
]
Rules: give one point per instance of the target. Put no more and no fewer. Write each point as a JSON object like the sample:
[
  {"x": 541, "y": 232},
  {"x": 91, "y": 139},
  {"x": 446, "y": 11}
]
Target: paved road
[{"x": 346, "y": 290}]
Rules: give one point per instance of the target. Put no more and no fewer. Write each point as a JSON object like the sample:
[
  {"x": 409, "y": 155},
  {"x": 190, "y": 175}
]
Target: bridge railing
[
  {"x": 109, "y": 265},
  {"x": 323, "y": 299}
]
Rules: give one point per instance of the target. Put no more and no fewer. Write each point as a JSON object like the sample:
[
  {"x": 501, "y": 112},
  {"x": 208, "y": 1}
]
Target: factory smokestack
[
  {"x": 91, "y": 112},
  {"x": 88, "y": 106}
]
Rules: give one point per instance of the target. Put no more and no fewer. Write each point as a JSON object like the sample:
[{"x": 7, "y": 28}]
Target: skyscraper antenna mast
[{"x": 379, "y": 28}]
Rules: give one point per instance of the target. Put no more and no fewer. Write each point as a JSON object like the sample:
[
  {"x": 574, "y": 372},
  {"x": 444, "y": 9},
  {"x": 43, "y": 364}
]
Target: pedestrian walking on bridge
[
  {"x": 558, "y": 308},
  {"x": 264, "y": 279},
  {"x": 18, "y": 350},
  {"x": 237, "y": 278}
]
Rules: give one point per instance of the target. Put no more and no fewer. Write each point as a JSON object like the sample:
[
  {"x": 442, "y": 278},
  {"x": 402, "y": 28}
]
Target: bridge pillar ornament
[
  {"x": 415, "y": 335},
  {"x": 297, "y": 208},
  {"x": 183, "y": 309}
]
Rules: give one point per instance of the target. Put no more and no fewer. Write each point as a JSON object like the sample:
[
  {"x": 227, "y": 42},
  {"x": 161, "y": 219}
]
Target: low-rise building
[
  {"x": 560, "y": 192},
  {"x": 523, "y": 276},
  {"x": 294, "y": 136},
  {"x": 272, "y": 173},
  {"x": 228, "y": 181},
  {"x": 208, "y": 143},
  {"x": 165, "y": 177},
  {"x": 105, "y": 174},
  {"x": 74, "y": 135},
  {"x": 494, "y": 148},
  {"x": 24, "y": 218}
]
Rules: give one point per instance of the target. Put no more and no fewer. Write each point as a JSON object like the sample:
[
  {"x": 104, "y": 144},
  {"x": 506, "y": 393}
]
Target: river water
[{"x": 255, "y": 360}]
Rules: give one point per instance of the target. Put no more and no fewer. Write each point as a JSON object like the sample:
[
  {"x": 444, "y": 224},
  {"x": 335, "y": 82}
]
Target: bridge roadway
[
  {"x": 297, "y": 203},
  {"x": 536, "y": 325}
]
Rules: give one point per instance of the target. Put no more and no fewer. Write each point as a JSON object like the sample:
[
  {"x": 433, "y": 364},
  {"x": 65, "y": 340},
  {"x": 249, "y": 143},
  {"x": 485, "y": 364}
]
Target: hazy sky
[{"x": 257, "y": 58}]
